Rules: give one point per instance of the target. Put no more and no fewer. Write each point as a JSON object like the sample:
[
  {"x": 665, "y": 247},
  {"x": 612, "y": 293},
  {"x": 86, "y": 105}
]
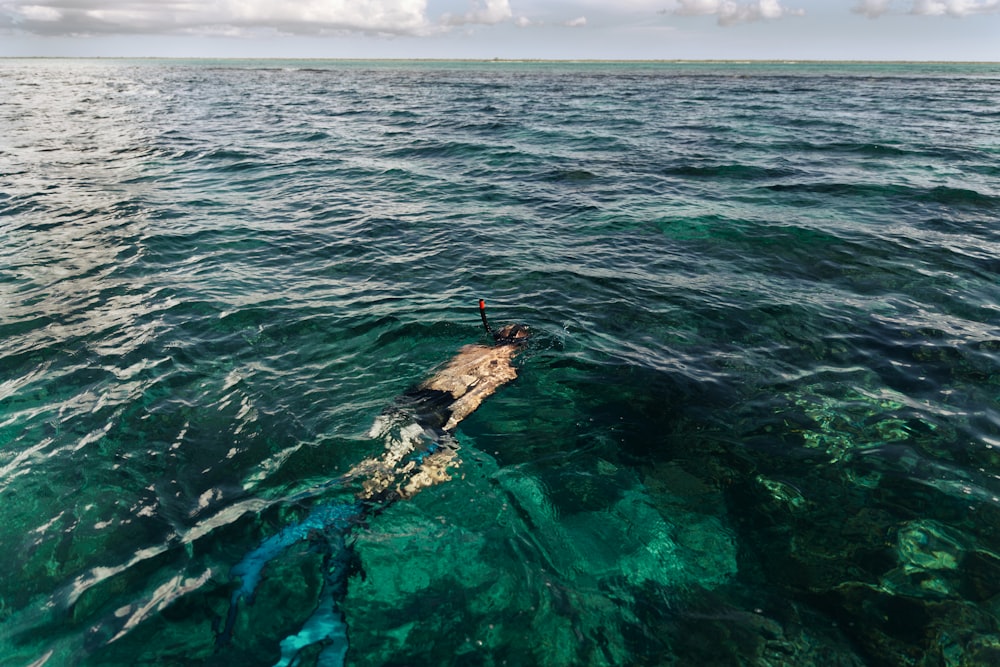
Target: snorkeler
[
  {"x": 422, "y": 419},
  {"x": 420, "y": 451}
]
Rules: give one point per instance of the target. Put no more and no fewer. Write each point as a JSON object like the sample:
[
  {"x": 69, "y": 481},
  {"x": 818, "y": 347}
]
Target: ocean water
[{"x": 758, "y": 422}]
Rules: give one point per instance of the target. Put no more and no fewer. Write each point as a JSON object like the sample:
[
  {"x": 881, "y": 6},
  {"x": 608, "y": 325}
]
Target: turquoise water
[{"x": 758, "y": 422}]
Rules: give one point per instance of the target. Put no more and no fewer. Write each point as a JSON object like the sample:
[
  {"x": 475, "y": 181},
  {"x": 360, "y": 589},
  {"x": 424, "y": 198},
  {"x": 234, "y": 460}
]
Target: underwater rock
[
  {"x": 900, "y": 605},
  {"x": 897, "y": 629},
  {"x": 538, "y": 587},
  {"x": 778, "y": 633}
]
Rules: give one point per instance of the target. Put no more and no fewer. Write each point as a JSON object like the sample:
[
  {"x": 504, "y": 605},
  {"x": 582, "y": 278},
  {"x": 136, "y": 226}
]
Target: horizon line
[{"x": 785, "y": 61}]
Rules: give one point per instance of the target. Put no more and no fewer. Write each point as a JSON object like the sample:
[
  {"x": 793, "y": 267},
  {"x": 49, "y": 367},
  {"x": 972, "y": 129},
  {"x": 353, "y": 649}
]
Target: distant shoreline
[{"x": 665, "y": 61}]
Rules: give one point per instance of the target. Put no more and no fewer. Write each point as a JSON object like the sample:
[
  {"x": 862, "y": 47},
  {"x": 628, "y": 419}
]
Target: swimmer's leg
[
  {"x": 331, "y": 519},
  {"x": 327, "y": 623}
]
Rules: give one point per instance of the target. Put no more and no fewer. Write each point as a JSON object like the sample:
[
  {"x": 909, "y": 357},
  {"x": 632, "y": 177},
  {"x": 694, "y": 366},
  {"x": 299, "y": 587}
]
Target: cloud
[
  {"x": 40, "y": 13},
  {"x": 728, "y": 12},
  {"x": 237, "y": 17},
  {"x": 525, "y": 22},
  {"x": 872, "y": 8},
  {"x": 956, "y": 8},
  {"x": 489, "y": 12}
]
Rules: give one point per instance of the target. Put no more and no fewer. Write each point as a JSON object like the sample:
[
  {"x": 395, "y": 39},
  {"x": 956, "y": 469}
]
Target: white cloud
[
  {"x": 125, "y": 17},
  {"x": 956, "y": 8},
  {"x": 40, "y": 13},
  {"x": 872, "y": 8},
  {"x": 488, "y": 12},
  {"x": 525, "y": 22},
  {"x": 728, "y": 12}
]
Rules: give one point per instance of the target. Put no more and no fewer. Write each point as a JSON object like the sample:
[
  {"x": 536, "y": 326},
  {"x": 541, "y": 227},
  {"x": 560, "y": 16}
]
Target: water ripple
[{"x": 765, "y": 310}]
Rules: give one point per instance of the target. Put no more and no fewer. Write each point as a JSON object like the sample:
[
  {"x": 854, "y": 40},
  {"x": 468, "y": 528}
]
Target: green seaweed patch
[{"x": 845, "y": 422}]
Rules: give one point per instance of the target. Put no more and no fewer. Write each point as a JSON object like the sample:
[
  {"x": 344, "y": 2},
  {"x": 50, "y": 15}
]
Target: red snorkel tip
[{"x": 482, "y": 314}]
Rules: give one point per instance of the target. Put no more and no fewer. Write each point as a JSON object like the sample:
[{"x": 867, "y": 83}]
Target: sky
[{"x": 927, "y": 30}]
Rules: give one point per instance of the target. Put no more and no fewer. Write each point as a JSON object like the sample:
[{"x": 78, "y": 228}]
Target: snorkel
[
  {"x": 512, "y": 334},
  {"x": 482, "y": 314}
]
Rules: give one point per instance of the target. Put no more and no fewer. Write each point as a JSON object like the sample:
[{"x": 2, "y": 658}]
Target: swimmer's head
[{"x": 512, "y": 334}]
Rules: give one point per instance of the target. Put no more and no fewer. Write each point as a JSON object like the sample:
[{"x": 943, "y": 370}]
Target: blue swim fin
[
  {"x": 327, "y": 623},
  {"x": 332, "y": 522}
]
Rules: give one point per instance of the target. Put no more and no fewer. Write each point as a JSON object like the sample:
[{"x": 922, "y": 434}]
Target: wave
[
  {"x": 943, "y": 195},
  {"x": 741, "y": 172}
]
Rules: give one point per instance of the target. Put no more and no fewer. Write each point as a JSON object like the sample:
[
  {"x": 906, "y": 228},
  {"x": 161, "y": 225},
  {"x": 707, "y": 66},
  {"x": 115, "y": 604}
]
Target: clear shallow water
[{"x": 758, "y": 423}]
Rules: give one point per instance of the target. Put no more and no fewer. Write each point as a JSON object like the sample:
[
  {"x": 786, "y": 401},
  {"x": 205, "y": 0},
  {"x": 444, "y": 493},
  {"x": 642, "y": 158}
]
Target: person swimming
[
  {"x": 420, "y": 451},
  {"x": 427, "y": 414}
]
